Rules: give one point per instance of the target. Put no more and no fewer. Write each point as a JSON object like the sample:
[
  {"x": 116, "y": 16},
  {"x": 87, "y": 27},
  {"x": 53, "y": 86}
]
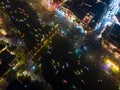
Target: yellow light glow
[
  {"x": 113, "y": 67},
  {"x": 1, "y": 21},
  {"x": 117, "y": 55},
  {"x": 3, "y": 32}
]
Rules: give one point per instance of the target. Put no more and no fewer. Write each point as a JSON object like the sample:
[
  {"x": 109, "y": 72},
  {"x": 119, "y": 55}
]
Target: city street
[{"x": 69, "y": 56}]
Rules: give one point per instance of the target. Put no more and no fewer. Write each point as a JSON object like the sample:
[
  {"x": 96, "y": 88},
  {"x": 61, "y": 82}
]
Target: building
[
  {"x": 6, "y": 59},
  {"x": 87, "y": 18},
  {"x": 25, "y": 82},
  {"x": 31, "y": 28},
  {"x": 118, "y": 16},
  {"x": 111, "y": 37},
  {"x": 51, "y": 5},
  {"x": 81, "y": 8}
]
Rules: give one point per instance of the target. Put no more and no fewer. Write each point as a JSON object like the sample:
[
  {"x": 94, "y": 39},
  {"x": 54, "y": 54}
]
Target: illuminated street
[{"x": 60, "y": 45}]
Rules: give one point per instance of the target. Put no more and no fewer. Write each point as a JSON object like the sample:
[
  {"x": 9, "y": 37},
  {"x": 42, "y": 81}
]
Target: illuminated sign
[{"x": 112, "y": 66}]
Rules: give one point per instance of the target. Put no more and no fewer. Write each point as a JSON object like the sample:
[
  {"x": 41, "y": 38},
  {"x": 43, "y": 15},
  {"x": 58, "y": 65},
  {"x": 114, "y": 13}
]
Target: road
[
  {"x": 47, "y": 40},
  {"x": 92, "y": 42},
  {"x": 27, "y": 23},
  {"x": 70, "y": 29},
  {"x": 24, "y": 20}
]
